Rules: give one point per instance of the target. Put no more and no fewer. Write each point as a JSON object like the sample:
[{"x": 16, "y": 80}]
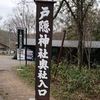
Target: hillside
[
  {"x": 4, "y": 38},
  {"x": 55, "y": 36}
]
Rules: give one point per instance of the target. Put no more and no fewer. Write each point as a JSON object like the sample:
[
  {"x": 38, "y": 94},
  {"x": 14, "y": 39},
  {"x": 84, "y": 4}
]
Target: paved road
[
  {"x": 6, "y": 62},
  {"x": 1, "y": 98}
]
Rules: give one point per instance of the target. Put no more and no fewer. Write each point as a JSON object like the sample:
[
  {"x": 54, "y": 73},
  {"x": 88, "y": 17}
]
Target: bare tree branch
[
  {"x": 86, "y": 11},
  {"x": 73, "y": 15},
  {"x": 58, "y": 9},
  {"x": 74, "y": 2}
]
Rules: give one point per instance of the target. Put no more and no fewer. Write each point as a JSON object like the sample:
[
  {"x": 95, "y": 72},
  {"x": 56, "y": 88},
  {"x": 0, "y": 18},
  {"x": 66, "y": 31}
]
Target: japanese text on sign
[{"x": 43, "y": 42}]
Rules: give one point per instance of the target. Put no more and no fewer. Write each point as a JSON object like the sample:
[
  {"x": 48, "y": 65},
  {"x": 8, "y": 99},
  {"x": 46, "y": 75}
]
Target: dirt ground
[{"x": 13, "y": 88}]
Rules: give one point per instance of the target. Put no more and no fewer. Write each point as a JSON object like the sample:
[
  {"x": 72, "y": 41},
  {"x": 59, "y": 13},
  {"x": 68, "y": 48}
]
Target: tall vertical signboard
[
  {"x": 20, "y": 32},
  {"x": 44, "y": 28}
]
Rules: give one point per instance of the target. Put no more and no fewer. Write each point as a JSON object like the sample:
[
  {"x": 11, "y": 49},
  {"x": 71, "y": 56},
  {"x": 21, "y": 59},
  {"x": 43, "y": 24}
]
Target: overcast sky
[{"x": 6, "y": 7}]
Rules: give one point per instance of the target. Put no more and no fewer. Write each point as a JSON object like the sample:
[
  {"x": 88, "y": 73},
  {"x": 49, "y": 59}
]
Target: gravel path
[
  {"x": 11, "y": 86},
  {"x": 6, "y": 62},
  {"x": 1, "y": 98}
]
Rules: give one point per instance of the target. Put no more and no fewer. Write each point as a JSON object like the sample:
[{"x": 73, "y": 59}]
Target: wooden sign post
[{"x": 44, "y": 28}]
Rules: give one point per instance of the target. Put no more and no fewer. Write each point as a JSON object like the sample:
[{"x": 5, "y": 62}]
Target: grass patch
[
  {"x": 26, "y": 73},
  {"x": 1, "y": 94},
  {"x": 69, "y": 83}
]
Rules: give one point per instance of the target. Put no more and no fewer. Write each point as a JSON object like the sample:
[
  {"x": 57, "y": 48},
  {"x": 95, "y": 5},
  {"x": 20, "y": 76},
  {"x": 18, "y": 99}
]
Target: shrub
[{"x": 71, "y": 79}]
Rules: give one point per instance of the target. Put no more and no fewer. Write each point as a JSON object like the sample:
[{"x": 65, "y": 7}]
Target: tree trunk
[
  {"x": 89, "y": 61},
  {"x": 80, "y": 46},
  {"x": 80, "y": 32}
]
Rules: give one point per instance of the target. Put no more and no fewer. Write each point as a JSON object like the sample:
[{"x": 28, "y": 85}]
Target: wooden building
[
  {"x": 3, "y": 48},
  {"x": 69, "y": 51}
]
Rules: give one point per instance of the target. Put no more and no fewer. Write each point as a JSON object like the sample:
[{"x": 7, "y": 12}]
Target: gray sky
[{"x": 6, "y": 7}]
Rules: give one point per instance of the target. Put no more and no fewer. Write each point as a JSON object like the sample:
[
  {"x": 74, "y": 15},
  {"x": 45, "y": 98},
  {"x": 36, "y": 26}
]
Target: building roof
[
  {"x": 67, "y": 43},
  {"x": 3, "y": 46}
]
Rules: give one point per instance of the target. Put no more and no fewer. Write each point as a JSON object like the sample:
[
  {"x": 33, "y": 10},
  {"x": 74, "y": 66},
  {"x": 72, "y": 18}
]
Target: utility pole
[
  {"x": 23, "y": 2},
  {"x": 9, "y": 39}
]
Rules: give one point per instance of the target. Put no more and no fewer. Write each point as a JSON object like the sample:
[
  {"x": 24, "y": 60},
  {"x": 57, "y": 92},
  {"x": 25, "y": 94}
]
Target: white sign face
[{"x": 20, "y": 54}]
